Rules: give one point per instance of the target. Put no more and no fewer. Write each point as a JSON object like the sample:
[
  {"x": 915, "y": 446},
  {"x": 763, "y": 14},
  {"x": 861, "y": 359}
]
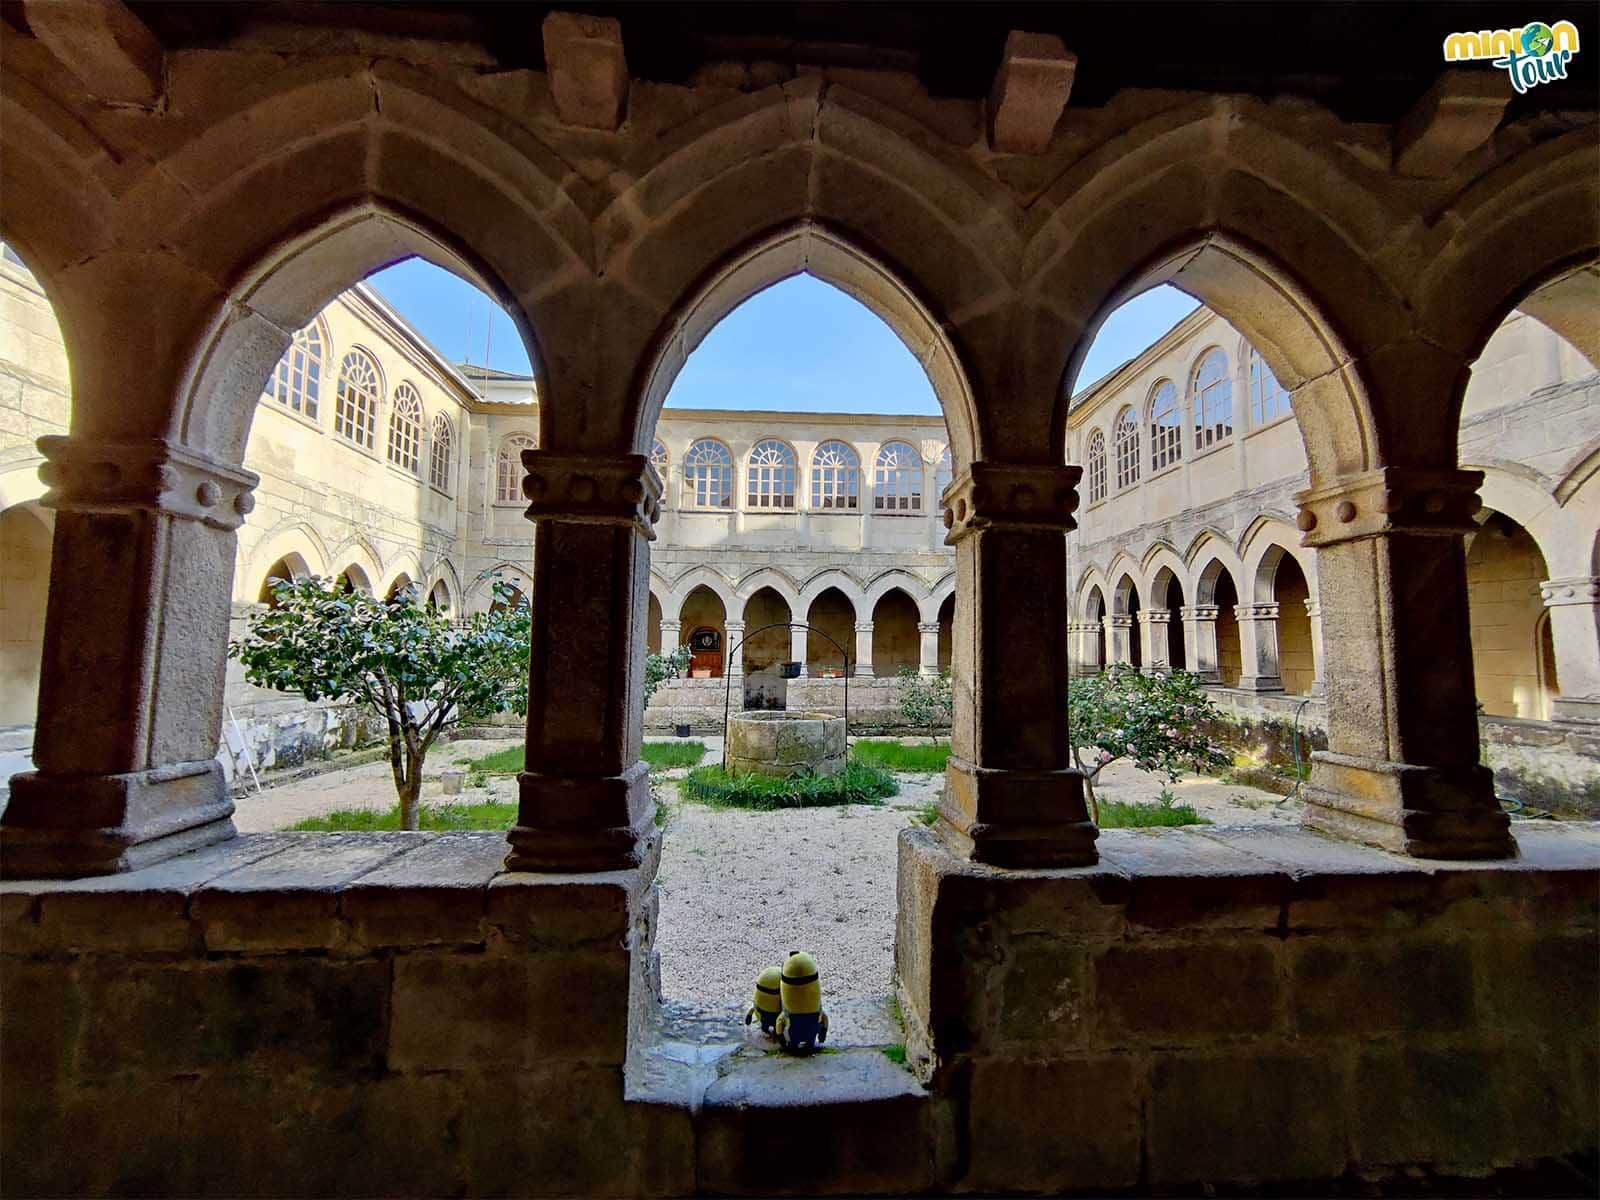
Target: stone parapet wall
[
  {"x": 319, "y": 1014},
  {"x": 1233, "y": 1007},
  {"x": 874, "y": 703}
]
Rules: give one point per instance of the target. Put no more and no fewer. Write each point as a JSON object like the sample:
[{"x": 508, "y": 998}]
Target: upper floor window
[
  {"x": 1096, "y": 459},
  {"x": 836, "y": 477},
  {"x": 1127, "y": 443},
  {"x": 897, "y": 486},
  {"x": 943, "y": 473},
  {"x": 1268, "y": 400},
  {"x": 439, "y": 465},
  {"x": 772, "y": 475},
  {"x": 355, "y": 405},
  {"x": 1166, "y": 430},
  {"x": 1213, "y": 401},
  {"x": 405, "y": 429},
  {"x": 708, "y": 475},
  {"x": 508, "y": 467},
  {"x": 296, "y": 382}
]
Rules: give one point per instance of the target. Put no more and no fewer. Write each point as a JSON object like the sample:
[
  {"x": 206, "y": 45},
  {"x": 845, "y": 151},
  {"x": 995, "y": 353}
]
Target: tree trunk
[
  {"x": 411, "y": 794},
  {"x": 1088, "y": 791}
]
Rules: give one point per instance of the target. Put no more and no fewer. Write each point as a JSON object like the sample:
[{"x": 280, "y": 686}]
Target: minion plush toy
[
  {"x": 764, "y": 1003},
  {"x": 802, "y": 1026}
]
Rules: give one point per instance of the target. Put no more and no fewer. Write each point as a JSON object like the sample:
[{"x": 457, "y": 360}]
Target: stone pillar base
[
  {"x": 59, "y": 826},
  {"x": 1260, "y": 683},
  {"x": 1574, "y": 708},
  {"x": 1424, "y": 812},
  {"x": 582, "y": 823},
  {"x": 1017, "y": 818}
]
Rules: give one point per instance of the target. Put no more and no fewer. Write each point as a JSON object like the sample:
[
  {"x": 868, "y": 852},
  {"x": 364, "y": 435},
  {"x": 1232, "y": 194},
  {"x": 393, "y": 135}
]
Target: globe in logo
[{"x": 1537, "y": 39}]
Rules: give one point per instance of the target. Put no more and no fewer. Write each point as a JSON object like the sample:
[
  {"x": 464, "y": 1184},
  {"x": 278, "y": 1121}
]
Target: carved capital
[
  {"x": 1389, "y": 500},
  {"x": 863, "y": 626},
  {"x": 1256, "y": 612},
  {"x": 1313, "y": 607},
  {"x": 671, "y": 626},
  {"x": 1199, "y": 612},
  {"x": 1157, "y": 616},
  {"x": 622, "y": 489},
  {"x": 144, "y": 476},
  {"x": 1580, "y": 589},
  {"x": 927, "y": 627},
  {"x": 990, "y": 496},
  {"x": 1119, "y": 621}
]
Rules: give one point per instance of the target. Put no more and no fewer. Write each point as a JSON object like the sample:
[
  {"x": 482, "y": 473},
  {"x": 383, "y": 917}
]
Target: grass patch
[
  {"x": 658, "y": 754},
  {"x": 1119, "y": 814},
  {"x": 896, "y": 1053},
  {"x": 856, "y": 784},
  {"x": 901, "y": 756},
  {"x": 928, "y": 814},
  {"x": 433, "y": 816}
]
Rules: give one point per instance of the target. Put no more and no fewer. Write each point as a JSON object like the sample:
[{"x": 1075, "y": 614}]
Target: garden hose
[{"x": 1294, "y": 740}]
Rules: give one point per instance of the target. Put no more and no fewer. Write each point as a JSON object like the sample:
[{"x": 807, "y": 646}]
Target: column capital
[
  {"x": 1157, "y": 616},
  {"x": 592, "y": 489},
  {"x": 1119, "y": 621},
  {"x": 732, "y": 627},
  {"x": 1313, "y": 607},
  {"x": 1199, "y": 612},
  {"x": 1579, "y": 589},
  {"x": 1389, "y": 500},
  {"x": 1264, "y": 611},
  {"x": 927, "y": 627},
  {"x": 86, "y": 475},
  {"x": 674, "y": 626},
  {"x": 996, "y": 496},
  {"x": 863, "y": 626}
]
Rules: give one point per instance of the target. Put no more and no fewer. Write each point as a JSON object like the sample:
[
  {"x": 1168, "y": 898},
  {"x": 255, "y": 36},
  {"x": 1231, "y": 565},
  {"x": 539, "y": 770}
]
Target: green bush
[
  {"x": 858, "y": 783},
  {"x": 441, "y": 816},
  {"x": 1119, "y": 814},
  {"x": 901, "y": 756}
]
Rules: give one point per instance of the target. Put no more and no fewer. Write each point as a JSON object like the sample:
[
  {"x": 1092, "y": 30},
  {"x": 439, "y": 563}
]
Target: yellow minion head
[
  {"x": 799, "y": 987},
  {"x": 766, "y": 993}
]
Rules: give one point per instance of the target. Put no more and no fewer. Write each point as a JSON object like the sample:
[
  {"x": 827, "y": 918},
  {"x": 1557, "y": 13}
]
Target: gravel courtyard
[{"x": 739, "y": 890}]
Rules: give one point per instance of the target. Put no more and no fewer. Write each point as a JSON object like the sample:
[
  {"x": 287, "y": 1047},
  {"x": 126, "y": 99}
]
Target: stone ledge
[{"x": 348, "y": 893}]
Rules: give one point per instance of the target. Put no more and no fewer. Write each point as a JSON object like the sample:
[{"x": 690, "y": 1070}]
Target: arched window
[
  {"x": 297, "y": 380},
  {"x": 772, "y": 475},
  {"x": 1268, "y": 400},
  {"x": 1166, "y": 431},
  {"x": 439, "y": 465},
  {"x": 1213, "y": 401},
  {"x": 405, "y": 429},
  {"x": 897, "y": 485},
  {"x": 658, "y": 459},
  {"x": 1096, "y": 456},
  {"x": 836, "y": 477},
  {"x": 508, "y": 467},
  {"x": 355, "y": 406},
  {"x": 708, "y": 475},
  {"x": 1127, "y": 444},
  {"x": 943, "y": 474}
]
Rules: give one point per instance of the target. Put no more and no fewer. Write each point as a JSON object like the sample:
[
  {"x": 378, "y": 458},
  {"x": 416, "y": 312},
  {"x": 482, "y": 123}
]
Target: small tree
[
  {"x": 407, "y": 661},
  {"x": 658, "y": 668},
  {"x": 926, "y": 701},
  {"x": 1154, "y": 720}
]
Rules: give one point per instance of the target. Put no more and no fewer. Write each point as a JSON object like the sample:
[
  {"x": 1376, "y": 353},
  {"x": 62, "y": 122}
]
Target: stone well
[{"x": 786, "y": 744}]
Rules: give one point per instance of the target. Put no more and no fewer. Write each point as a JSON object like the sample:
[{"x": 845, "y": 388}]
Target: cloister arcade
[{"x": 617, "y": 218}]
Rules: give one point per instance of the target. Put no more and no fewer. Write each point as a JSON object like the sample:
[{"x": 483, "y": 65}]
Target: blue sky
[{"x": 801, "y": 345}]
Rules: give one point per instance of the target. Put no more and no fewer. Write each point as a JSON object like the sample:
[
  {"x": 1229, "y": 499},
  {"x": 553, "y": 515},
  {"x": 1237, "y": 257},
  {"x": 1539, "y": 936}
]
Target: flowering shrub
[{"x": 1157, "y": 721}]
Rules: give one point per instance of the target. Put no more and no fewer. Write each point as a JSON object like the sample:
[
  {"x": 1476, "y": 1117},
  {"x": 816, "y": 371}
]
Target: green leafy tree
[
  {"x": 1156, "y": 721},
  {"x": 926, "y": 701},
  {"x": 409, "y": 662},
  {"x": 658, "y": 668}
]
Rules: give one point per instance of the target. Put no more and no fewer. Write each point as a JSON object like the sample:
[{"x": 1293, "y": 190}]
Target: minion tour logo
[{"x": 1532, "y": 55}]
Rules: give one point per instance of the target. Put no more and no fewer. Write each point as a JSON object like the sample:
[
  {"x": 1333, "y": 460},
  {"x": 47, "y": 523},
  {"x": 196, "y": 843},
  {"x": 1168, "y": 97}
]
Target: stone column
[
  {"x": 1401, "y": 770},
  {"x": 797, "y": 647},
  {"x": 1200, "y": 640},
  {"x": 863, "y": 650},
  {"x": 929, "y": 648},
  {"x": 1011, "y": 796},
  {"x": 1085, "y": 637},
  {"x": 1258, "y": 647},
  {"x": 733, "y": 649},
  {"x": 1119, "y": 640},
  {"x": 585, "y": 797},
  {"x": 1157, "y": 656},
  {"x": 670, "y": 632},
  {"x": 1313, "y": 605},
  {"x": 134, "y": 660},
  {"x": 1574, "y": 606}
]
